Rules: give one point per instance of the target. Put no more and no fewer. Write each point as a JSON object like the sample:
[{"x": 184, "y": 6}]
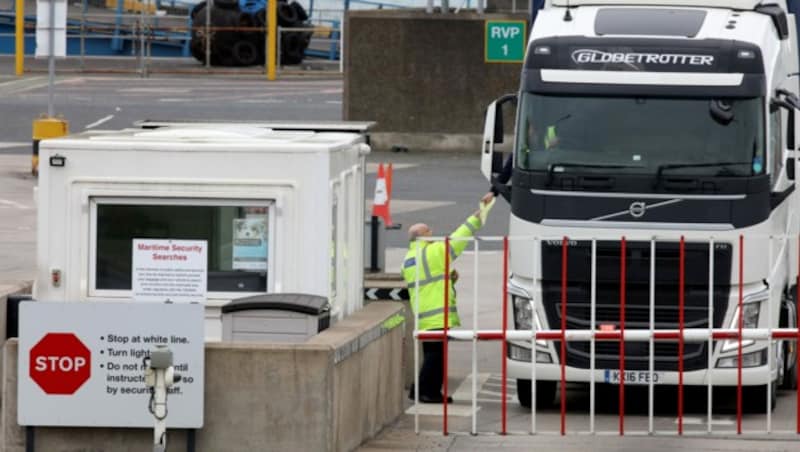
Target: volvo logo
[{"x": 637, "y": 209}]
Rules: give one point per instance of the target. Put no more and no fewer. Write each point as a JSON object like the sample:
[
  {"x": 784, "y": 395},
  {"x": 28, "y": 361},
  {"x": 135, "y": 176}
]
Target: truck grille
[{"x": 637, "y": 300}]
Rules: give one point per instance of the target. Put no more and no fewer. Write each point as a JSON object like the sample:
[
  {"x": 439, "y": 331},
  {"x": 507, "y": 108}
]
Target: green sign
[{"x": 505, "y": 41}]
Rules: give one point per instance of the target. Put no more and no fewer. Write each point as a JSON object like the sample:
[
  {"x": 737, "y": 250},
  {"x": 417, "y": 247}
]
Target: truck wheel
[
  {"x": 790, "y": 367},
  {"x": 754, "y": 398},
  {"x": 545, "y": 393}
]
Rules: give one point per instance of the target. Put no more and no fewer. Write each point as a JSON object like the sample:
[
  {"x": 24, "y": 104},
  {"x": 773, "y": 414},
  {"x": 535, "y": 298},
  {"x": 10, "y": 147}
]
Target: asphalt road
[{"x": 440, "y": 189}]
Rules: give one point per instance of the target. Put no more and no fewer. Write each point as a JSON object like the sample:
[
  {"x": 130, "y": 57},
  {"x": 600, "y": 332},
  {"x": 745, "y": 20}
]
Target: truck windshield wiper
[
  {"x": 669, "y": 166},
  {"x": 551, "y": 168}
]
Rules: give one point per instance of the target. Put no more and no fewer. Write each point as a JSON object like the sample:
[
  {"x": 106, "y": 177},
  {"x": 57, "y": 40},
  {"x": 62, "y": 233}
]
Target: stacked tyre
[{"x": 232, "y": 44}]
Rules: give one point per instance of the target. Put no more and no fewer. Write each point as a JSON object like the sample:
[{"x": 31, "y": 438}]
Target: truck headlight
[
  {"x": 749, "y": 320},
  {"x": 524, "y": 315},
  {"x": 752, "y": 359},
  {"x": 517, "y": 353}
]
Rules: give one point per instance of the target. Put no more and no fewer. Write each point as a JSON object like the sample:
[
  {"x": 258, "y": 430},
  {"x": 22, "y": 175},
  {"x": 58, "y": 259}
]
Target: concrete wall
[
  {"x": 422, "y": 77},
  {"x": 329, "y": 394}
]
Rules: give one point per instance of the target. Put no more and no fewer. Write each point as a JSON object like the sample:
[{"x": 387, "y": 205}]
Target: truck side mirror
[
  {"x": 493, "y": 133},
  {"x": 790, "y": 168}
]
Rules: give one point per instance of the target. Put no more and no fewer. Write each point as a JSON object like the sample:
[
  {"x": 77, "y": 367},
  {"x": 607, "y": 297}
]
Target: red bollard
[
  {"x": 564, "y": 243},
  {"x": 446, "y": 325},
  {"x": 681, "y": 305}
]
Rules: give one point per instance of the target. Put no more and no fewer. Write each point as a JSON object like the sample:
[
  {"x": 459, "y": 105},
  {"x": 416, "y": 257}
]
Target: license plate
[{"x": 632, "y": 377}]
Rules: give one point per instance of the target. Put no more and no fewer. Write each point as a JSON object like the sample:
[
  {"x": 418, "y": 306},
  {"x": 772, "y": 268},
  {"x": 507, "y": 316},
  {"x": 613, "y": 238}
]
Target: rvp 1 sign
[{"x": 504, "y": 41}]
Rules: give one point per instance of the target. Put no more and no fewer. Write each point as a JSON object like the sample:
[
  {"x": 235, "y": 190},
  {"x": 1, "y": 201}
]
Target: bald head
[{"x": 419, "y": 230}]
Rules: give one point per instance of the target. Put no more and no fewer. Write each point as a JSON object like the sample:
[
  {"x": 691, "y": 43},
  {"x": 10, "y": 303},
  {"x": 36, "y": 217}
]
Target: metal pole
[
  {"x": 341, "y": 45},
  {"x": 445, "y": 6},
  {"x": 51, "y": 60},
  {"x": 709, "y": 388},
  {"x": 84, "y": 8},
  {"x": 209, "y": 5},
  {"x": 476, "y": 268},
  {"x": 19, "y": 35},
  {"x": 429, "y": 7},
  {"x": 141, "y": 39},
  {"x": 480, "y": 6},
  {"x": 592, "y": 343},
  {"x": 272, "y": 38},
  {"x": 373, "y": 245}
]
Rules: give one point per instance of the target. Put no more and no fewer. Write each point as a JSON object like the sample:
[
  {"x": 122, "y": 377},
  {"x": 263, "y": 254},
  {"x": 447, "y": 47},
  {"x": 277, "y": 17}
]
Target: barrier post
[
  {"x": 797, "y": 325},
  {"x": 272, "y": 39},
  {"x": 710, "y": 392},
  {"x": 740, "y": 325},
  {"x": 19, "y": 38},
  {"x": 504, "y": 372},
  {"x": 622, "y": 273},
  {"x": 563, "y": 358},
  {"x": 651, "y": 354},
  {"x": 593, "y": 342},
  {"x": 681, "y": 305},
  {"x": 446, "y": 325}
]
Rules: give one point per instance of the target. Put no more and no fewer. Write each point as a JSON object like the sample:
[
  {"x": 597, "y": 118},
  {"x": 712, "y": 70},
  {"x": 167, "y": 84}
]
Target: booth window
[{"x": 237, "y": 237}]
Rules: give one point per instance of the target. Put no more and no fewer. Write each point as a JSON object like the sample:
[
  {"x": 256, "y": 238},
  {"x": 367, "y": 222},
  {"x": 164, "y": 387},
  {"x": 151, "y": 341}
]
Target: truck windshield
[{"x": 642, "y": 135}]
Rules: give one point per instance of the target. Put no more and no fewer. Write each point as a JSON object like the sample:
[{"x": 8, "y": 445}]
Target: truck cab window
[
  {"x": 775, "y": 144},
  {"x": 237, "y": 236},
  {"x": 638, "y": 135}
]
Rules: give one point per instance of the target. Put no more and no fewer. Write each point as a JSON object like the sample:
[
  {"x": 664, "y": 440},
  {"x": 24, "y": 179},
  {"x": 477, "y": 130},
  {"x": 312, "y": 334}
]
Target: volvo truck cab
[{"x": 654, "y": 120}]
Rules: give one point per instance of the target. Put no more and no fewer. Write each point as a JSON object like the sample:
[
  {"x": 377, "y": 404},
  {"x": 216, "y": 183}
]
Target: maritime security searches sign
[
  {"x": 504, "y": 41},
  {"x": 170, "y": 270},
  {"x": 82, "y": 364}
]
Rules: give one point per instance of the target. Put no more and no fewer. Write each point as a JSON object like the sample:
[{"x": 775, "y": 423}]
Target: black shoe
[{"x": 434, "y": 399}]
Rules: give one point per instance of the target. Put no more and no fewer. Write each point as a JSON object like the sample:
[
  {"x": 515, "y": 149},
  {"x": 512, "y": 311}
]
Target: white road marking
[
  {"x": 9, "y": 203},
  {"x": 100, "y": 121},
  {"x": 464, "y": 391},
  {"x": 337, "y": 102},
  {"x": 174, "y": 99},
  {"x": 14, "y": 144},
  {"x": 461, "y": 395},
  {"x": 702, "y": 421},
  {"x": 159, "y": 90},
  {"x": 260, "y": 101}
]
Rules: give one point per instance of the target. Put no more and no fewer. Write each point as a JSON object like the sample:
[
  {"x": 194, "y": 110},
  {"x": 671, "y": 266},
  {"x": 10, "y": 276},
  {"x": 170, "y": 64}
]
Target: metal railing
[{"x": 651, "y": 335}]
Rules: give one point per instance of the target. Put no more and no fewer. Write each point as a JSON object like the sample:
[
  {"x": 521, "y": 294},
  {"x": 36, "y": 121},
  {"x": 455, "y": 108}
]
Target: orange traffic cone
[{"x": 383, "y": 190}]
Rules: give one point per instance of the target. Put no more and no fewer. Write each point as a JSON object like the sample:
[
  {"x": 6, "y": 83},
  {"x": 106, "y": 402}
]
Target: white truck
[
  {"x": 648, "y": 119},
  {"x": 279, "y": 205}
]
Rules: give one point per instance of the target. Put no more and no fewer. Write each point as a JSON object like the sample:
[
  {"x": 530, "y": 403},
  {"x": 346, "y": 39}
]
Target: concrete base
[
  {"x": 328, "y": 394},
  {"x": 384, "y": 141}
]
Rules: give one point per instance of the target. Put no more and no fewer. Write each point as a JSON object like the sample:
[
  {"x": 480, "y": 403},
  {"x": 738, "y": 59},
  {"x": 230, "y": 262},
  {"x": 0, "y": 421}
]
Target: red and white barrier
[{"x": 651, "y": 335}]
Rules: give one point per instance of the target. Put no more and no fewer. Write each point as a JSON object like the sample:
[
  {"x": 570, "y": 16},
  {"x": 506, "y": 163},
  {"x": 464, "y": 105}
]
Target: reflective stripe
[
  {"x": 410, "y": 262},
  {"x": 425, "y": 282},
  {"x": 437, "y": 311},
  {"x": 425, "y": 266},
  {"x": 453, "y": 255},
  {"x": 471, "y": 228}
]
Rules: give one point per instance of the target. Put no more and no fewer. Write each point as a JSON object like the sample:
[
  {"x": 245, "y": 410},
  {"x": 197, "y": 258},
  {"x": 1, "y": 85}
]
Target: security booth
[{"x": 273, "y": 210}]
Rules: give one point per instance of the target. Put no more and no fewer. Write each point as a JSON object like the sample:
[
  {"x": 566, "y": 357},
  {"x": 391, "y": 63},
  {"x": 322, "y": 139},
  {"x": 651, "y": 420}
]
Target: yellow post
[
  {"x": 272, "y": 38},
  {"x": 19, "y": 37},
  {"x": 43, "y": 128}
]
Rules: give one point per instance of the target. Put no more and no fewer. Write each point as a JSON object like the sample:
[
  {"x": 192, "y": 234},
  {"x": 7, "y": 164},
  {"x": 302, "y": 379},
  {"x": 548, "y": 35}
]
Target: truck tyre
[
  {"x": 545, "y": 393},
  {"x": 226, "y": 4},
  {"x": 789, "y": 367},
  {"x": 302, "y": 15},
  {"x": 287, "y": 16},
  {"x": 245, "y": 53},
  {"x": 754, "y": 398}
]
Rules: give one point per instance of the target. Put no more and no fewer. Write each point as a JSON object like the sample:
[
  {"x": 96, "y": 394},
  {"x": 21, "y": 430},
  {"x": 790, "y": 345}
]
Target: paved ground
[{"x": 437, "y": 188}]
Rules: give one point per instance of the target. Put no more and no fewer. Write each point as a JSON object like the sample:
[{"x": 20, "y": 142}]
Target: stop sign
[{"x": 60, "y": 363}]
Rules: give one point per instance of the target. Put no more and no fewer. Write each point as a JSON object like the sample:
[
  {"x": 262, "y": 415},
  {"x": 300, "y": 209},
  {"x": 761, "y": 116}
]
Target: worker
[
  {"x": 426, "y": 259},
  {"x": 532, "y": 142}
]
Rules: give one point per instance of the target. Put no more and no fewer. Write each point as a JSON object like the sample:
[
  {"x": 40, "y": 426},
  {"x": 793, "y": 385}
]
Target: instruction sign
[
  {"x": 47, "y": 24},
  {"x": 505, "y": 41},
  {"x": 82, "y": 364},
  {"x": 170, "y": 270}
]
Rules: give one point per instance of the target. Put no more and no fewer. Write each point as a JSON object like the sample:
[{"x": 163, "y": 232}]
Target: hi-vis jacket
[{"x": 431, "y": 276}]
